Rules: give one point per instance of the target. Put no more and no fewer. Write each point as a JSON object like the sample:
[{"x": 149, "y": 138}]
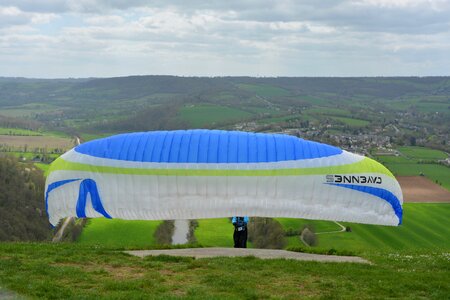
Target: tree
[{"x": 266, "y": 233}]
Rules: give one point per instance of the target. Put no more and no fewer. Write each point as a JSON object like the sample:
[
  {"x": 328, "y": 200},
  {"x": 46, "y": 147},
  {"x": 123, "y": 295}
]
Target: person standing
[{"x": 240, "y": 231}]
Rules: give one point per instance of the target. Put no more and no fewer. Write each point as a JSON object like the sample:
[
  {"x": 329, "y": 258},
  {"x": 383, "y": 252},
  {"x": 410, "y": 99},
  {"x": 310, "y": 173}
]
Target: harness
[{"x": 240, "y": 224}]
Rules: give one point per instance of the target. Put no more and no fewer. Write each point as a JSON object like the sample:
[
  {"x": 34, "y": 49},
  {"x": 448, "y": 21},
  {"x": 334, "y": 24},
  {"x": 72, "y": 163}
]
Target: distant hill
[
  {"x": 22, "y": 209},
  {"x": 417, "y": 107}
]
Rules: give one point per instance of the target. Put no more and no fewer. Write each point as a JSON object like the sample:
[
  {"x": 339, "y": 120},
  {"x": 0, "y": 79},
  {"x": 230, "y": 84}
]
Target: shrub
[
  {"x": 266, "y": 233},
  {"x": 164, "y": 232},
  {"x": 309, "y": 237}
]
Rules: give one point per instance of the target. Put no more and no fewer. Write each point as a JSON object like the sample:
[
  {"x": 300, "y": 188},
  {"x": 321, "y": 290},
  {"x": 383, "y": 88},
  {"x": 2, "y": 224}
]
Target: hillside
[
  {"x": 405, "y": 108},
  {"x": 425, "y": 226},
  {"x": 22, "y": 209}
]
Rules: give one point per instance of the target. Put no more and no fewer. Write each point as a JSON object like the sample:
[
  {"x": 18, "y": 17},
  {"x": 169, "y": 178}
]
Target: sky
[{"x": 108, "y": 38}]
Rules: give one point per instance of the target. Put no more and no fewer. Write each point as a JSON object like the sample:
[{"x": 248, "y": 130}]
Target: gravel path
[
  {"x": 260, "y": 253},
  {"x": 8, "y": 295}
]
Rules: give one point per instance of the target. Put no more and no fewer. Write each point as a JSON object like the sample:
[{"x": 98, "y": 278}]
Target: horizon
[{"x": 219, "y": 76}]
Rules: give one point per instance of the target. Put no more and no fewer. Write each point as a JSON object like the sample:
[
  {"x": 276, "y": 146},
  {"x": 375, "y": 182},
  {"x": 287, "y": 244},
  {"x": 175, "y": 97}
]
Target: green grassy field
[
  {"x": 330, "y": 111},
  {"x": 89, "y": 136},
  {"x": 425, "y": 225},
  {"x": 434, "y": 172},
  {"x": 287, "y": 118},
  {"x": 205, "y": 115},
  {"x": 119, "y": 233},
  {"x": 408, "y": 164},
  {"x": 17, "y": 131},
  {"x": 422, "y": 153},
  {"x": 27, "y": 110},
  {"x": 352, "y": 122},
  {"x": 214, "y": 232},
  {"x": 71, "y": 271}
]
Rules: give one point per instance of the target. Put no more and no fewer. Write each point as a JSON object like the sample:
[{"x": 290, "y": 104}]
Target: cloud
[{"x": 339, "y": 37}]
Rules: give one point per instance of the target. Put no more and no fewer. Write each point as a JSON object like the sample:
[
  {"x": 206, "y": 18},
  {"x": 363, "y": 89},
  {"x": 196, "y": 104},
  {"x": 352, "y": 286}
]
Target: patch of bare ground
[
  {"x": 421, "y": 189},
  {"x": 239, "y": 252},
  {"x": 49, "y": 142},
  {"x": 116, "y": 272}
]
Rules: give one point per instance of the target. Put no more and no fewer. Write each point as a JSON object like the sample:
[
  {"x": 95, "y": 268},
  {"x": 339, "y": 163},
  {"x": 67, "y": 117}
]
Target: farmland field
[
  {"x": 409, "y": 164},
  {"x": 434, "y": 172},
  {"x": 422, "y": 153},
  {"x": 205, "y": 115},
  {"x": 352, "y": 122},
  {"x": 421, "y": 189},
  {"x": 27, "y": 110},
  {"x": 49, "y": 142},
  {"x": 18, "y": 131}
]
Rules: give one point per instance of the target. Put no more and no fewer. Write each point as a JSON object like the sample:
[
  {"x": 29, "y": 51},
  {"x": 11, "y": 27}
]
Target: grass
[
  {"x": 425, "y": 225},
  {"x": 434, "y": 172},
  {"x": 17, "y": 131},
  {"x": 408, "y": 164},
  {"x": 27, "y": 110},
  {"x": 352, "y": 122},
  {"x": 68, "y": 271},
  {"x": 90, "y": 136},
  {"x": 422, "y": 153},
  {"x": 205, "y": 115},
  {"x": 330, "y": 111},
  {"x": 215, "y": 232},
  {"x": 43, "y": 167},
  {"x": 282, "y": 119},
  {"x": 119, "y": 233}
]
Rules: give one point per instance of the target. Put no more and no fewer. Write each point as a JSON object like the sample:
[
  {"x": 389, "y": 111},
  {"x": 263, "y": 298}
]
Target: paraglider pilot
[{"x": 240, "y": 231}]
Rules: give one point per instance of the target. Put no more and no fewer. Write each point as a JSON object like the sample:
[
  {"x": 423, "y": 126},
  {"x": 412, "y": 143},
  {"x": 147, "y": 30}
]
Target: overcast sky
[{"x": 106, "y": 38}]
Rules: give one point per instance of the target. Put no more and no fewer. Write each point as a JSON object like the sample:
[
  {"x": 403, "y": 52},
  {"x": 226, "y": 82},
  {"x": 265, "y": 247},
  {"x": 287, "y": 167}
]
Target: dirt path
[
  {"x": 58, "y": 236},
  {"x": 260, "y": 253},
  {"x": 334, "y": 231},
  {"x": 8, "y": 295}
]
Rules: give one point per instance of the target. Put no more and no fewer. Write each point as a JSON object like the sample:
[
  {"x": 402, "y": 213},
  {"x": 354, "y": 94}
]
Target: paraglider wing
[{"x": 193, "y": 174}]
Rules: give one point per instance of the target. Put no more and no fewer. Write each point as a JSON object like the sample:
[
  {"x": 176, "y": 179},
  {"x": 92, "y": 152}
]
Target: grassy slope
[
  {"x": 66, "y": 271},
  {"x": 119, "y": 233},
  {"x": 215, "y": 232},
  {"x": 425, "y": 225}
]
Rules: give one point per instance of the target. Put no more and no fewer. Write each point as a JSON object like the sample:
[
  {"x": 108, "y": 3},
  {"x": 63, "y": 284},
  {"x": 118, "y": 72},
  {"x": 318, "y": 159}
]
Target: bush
[
  {"x": 308, "y": 236},
  {"x": 266, "y": 233},
  {"x": 193, "y": 224},
  {"x": 163, "y": 234}
]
